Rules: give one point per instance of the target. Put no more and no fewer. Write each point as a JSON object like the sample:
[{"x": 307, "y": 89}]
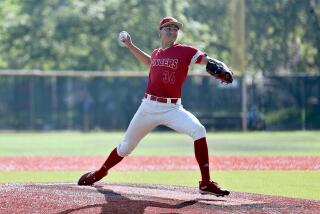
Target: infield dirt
[{"x": 66, "y": 198}]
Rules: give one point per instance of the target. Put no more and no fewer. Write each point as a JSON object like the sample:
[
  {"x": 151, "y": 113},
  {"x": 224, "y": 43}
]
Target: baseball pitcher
[{"x": 161, "y": 105}]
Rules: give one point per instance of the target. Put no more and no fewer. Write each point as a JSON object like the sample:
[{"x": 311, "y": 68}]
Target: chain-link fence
[
  {"x": 286, "y": 102},
  {"x": 109, "y": 103}
]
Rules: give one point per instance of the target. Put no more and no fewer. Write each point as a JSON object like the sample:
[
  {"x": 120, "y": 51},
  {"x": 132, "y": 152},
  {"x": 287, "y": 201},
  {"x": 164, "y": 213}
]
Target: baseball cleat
[
  {"x": 89, "y": 178},
  {"x": 212, "y": 188}
]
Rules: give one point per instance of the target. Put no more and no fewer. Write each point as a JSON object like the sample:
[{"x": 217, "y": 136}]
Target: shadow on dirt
[{"x": 117, "y": 203}]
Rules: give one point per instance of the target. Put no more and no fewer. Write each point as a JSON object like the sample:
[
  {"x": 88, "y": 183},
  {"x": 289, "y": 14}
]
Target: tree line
[{"x": 280, "y": 36}]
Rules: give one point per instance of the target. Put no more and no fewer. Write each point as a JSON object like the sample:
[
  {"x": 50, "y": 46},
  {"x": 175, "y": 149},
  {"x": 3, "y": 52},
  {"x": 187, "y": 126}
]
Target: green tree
[
  {"x": 279, "y": 36},
  {"x": 82, "y": 34}
]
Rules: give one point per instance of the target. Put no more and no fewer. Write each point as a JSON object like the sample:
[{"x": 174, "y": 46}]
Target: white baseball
[{"x": 122, "y": 35}]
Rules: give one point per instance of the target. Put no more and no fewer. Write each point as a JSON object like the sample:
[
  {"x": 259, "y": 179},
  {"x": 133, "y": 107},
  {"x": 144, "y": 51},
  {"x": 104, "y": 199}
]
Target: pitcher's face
[{"x": 169, "y": 33}]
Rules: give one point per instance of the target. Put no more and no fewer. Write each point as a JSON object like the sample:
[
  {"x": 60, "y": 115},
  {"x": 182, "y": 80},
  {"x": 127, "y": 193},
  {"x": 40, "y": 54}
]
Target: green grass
[
  {"x": 168, "y": 143},
  {"x": 298, "y": 184}
]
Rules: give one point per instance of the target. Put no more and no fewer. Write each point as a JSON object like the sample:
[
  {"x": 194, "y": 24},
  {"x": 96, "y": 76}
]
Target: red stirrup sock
[
  {"x": 111, "y": 161},
  {"x": 202, "y": 156}
]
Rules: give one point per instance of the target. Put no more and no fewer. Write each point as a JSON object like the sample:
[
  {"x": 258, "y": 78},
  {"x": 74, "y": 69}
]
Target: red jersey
[{"x": 169, "y": 68}]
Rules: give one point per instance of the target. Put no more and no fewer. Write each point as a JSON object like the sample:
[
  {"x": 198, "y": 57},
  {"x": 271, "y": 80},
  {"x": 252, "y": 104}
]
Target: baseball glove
[{"x": 219, "y": 71}]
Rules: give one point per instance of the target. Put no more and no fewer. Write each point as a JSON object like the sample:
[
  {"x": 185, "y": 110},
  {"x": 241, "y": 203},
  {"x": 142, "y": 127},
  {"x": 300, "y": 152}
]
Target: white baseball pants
[{"x": 152, "y": 114}]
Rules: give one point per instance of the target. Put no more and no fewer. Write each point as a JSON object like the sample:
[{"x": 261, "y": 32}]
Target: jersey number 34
[{"x": 169, "y": 77}]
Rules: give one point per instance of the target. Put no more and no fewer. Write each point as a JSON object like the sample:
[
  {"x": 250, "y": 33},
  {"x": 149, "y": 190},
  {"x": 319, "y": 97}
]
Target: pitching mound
[{"x": 132, "y": 198}]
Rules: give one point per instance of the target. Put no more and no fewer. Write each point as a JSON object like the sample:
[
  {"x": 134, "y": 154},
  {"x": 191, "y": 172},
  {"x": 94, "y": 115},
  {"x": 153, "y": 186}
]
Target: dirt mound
[{"x": 131, "y": 198}]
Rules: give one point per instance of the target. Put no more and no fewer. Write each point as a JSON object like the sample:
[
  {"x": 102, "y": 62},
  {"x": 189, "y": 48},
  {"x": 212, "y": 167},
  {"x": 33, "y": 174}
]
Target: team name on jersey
[{"x": 170, "y": 63}]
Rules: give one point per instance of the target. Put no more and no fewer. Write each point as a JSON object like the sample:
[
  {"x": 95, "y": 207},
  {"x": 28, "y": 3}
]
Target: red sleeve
[
  {"x": 198, "y": 60},
  {"x": 194, "y": 55}
]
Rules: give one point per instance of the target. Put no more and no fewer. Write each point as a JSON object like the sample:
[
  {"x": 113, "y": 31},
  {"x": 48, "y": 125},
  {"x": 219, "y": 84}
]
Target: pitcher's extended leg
[
  {"x": 140, "y": 125},
  {"x": 90, "y": 178}
]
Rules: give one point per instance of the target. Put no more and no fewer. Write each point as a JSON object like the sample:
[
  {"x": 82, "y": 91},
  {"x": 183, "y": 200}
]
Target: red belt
[{"x": 161, "y": 99}]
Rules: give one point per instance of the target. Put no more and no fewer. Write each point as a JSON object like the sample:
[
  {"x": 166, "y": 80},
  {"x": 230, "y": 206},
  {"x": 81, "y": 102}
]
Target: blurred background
[{"x": 61, "y": 67}]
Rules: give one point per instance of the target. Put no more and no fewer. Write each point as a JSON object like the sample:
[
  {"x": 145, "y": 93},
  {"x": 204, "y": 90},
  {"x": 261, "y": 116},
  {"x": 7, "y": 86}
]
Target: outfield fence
[{"x": 87, "y": 100}]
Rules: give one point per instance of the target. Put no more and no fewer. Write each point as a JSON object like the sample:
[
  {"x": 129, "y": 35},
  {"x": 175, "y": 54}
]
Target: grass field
[
  {"x": 222, "y": 143},
  {"x": 293, "y": 183}
]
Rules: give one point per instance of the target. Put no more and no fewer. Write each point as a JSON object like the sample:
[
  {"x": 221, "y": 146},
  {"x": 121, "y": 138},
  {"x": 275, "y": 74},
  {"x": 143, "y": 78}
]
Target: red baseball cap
[{"x": 170, "y": 20}]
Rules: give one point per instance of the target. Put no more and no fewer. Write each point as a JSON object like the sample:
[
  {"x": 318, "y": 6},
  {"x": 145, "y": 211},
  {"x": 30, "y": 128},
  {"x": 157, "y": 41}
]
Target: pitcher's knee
[
  {"x": 199, "y": 132},
  {"x": 123, "y": 149}
]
